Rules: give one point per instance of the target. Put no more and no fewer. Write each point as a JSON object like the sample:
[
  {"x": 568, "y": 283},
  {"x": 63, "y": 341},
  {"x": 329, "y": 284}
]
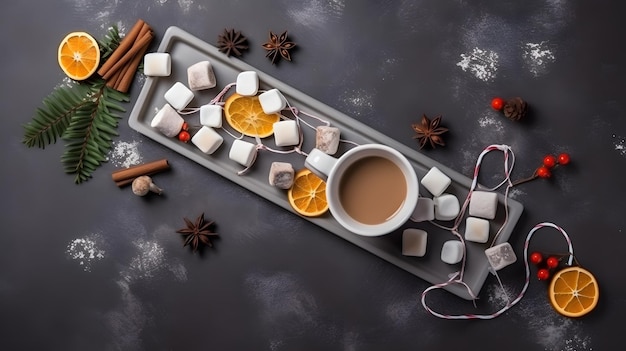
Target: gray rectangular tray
[{"x": 186, "y": 49}]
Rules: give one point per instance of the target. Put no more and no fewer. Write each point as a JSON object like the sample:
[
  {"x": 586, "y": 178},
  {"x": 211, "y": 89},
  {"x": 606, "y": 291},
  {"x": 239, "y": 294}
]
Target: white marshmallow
[
  {"x": 452, "y": 252},
  {"x": 327, "y": 139},
  {"x": 435, "y": 181},
  {"x": 424, "y": 210},
  {"x": 286, "y": 133},
  {"x": 179, "y": 96},
  {"x": 211, "y": 115},
  {"x": 500, "y": 256},
  {"x": 200, "y": 76},
  {"x": 281, "y": 175},
  {"x": 476, "y": 230},
  {"x": 483, "y": 204},
  {"x": 247, "y": 83},
  {"x": 242, "y": 152},
  {"x": 207, "y": 140},
  {"x": 447, "y": 207},
  {"x": 157, "y": 64},
  {"x": 167, "y": 121},
  {"x": 272, "y": 101},
  {"x": 414, "y": 242}
]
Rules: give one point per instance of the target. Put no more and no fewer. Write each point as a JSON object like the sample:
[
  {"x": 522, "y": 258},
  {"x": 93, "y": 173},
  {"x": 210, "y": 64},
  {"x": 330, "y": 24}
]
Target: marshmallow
[
  {"x": 157, "y": 64},
  {"x": 476, "y": 230},
  {"x": 281, "y": 175},
  {"x": 286, "y": 133},
  {"x": 179, "y": 96},
  {"x": 424, "y": 210},
  {"x": 327, "y": 139},
  {"x": 207, "y": 140},
  {"x": 446, "y": 207},
  {"x": 200, "y": 76},
  {"x": 272, "y": 101},
  {"x": 483, "y": 204},
  {"x": 435, "y": 181},
  {"x": 242, "y": 152},
  {"x": 414, "y": 242},
  {"x": 500, "y": 256},
  {"x": 452, "y": 251},
  {"x": 211, "y": 115},
  {"x": 247, "y": 83},
  {"x": 167, "y": 121}
]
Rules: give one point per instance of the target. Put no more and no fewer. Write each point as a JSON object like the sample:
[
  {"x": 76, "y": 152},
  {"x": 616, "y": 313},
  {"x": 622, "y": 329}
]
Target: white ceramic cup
[{"x": 332, "y": 170}]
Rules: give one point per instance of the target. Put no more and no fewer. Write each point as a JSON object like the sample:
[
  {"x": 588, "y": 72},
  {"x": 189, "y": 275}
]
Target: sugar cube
[
  {"x": 200, "y": 76},
  {"x": 211, "y": 115},
  {"x": 446, "y": 207},
  {"x": 247, "y": 83},
  {"x": 424, "y": 210},
  {"x": 272, "y": 101},
  {"x": 476, "y": 230},
  {"x": 500, "y": 256},
  {"x": 167, "y": 121},
  {"x": 286, "y": 133},
  {"x": 483, "y": 204},
  {"x": 242, "y": 152},
  {"x": 179, "y": 96},
  {"x": 281, "y": 175},
  {"x": 452, "y": 251},
  {"x": 157, "y": 64},
  {"x": 414, "y": 242},
  {"x": 327, "y": 139},
  {"x": 435, "y": 181},
  {"x": 207, "y": 140}
]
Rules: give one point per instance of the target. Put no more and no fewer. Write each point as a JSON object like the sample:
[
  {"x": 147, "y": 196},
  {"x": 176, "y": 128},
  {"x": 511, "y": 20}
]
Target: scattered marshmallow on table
[
  {"x": 500, "y": 256},
  {"x": 242, "y": 152},
  {"x": 272, "y": 101},
  {"x": 435, "y": 181},
  {"x": 157, "y": 64},
  {"x": 476, "y": 230},
  {"x": 167, "y": 121},
  {"x": 424, "y": 210},
  {"x": 447, "y": 207},
  {"x": 179, "y": 96},
  {"x": 281, "y": 175},
  {"x": 327, "y": 139},
  {"x": 483, "y": 204},
  {"x": 452, "y": 251},
  {"x": 207, "y": 140},
  {"x": 211, "y": 115},
  {"x": 247, "y": 83},
  {"x": 286, "y": 133},
  {"x": 200, "y": 76},
  {"x": 414, "y": 242}
]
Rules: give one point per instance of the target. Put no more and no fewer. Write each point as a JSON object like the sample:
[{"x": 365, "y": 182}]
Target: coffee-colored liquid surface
[{"x": 372, "y": 190}]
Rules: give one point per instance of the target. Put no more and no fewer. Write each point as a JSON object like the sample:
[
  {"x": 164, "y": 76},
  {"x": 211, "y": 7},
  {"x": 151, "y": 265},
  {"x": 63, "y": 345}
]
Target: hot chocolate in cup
[{"x": 371, "y": 189}]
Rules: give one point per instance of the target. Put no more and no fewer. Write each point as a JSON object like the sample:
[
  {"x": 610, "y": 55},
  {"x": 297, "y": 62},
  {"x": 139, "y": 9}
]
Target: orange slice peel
[
  {"x": 245, "y": 115},
  {"x": 79, "y": 55},
  {"x": 307, "y": 196},
  {"x": 573, "y": 291}
]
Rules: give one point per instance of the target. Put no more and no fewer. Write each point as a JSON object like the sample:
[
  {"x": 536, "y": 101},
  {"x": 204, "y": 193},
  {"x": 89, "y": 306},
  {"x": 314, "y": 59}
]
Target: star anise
[
  {"x": 429, "y": 131},
  {"x": 197, "y": 233},
  {"x": 232, "y": 42},
  {"x": 278, "y": 44}
]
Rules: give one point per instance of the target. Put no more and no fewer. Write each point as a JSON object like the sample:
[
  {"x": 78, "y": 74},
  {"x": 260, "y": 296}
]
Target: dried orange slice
[
  {"x": 245, "y": 115},
  {"x": 308, "y": 194},
  {"x": 573, "y": 291},
  {"x": 79, "y": 55}
]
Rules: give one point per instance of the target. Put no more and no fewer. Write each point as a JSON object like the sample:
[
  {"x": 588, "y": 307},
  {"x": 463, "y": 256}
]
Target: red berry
[
  {"x": 543, "y": 172},
  {"x": 552, "y": 262},
  {"x": 497, "y": 103},
  {"x": 185, "y": 126},
  {"x": 543, "y": 274},
  {"x": 184, "y": 136},
  {"x": 549, "y": 161},
  {"x": 563, "y": 159},
  {"x": 536, "y": 258}
]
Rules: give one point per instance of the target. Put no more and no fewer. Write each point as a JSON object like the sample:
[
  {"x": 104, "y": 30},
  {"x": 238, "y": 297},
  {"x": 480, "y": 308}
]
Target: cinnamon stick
[
  {"x": 142, "y": 40},
  {"x": 130, "y": 173},
  {"x": 128, "y": 73},
  {"x": 124, "y": 46}
]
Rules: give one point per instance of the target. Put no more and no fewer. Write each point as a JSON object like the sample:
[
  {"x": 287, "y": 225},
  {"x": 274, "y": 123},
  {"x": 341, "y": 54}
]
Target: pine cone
[{"x": 515, "y": 108}]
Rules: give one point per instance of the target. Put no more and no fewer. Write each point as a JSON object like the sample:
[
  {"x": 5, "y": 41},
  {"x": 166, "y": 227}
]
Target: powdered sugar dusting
[
  {"x": 85, "y": 251},
  {"x": 491, "y": 121},
  {"x": 620, "y": 145},
  {"x": 316, "y": 13},
  {"x": 358, "y": 101},
  {"x": 538, "y": 57},
  {"x": 483, "y": 64},
  {"x": 125, "y": 154}
]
